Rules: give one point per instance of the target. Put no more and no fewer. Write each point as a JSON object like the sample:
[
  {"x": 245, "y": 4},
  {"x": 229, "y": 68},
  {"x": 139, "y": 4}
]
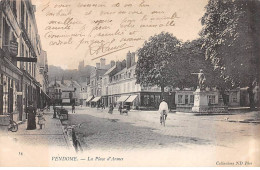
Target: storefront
[
  {"x": 95, "y": 102},
  {"x": 88, "y": 101},
  {"x": 10, "y": 89},
  {"x": 132, "y": 102}
]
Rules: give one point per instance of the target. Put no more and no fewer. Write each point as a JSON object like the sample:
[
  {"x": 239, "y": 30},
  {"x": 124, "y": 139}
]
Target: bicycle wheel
[
  {"x": 163, "y": 119},
  {"x": 78, "y": 146},
  {"x": 14, "y": 126}
]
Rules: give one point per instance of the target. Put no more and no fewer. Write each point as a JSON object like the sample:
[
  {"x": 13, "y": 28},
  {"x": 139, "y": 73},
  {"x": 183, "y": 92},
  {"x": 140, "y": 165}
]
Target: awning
[
  {"x": 96, "y": 99},
  {"x": 65, "y": 100},
  {"x": 89, "y": 98},
  {"x": 131, "y": 98},
  {"x": 122, "y": 99},
  {"x": 45, "y": 94}
]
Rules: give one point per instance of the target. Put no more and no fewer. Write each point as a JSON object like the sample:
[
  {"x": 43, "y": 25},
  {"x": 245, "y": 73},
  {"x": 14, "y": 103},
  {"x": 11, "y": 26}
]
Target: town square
[{"x": 129, "y": 84}]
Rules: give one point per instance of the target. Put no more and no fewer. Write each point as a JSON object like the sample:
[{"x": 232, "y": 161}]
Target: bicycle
[
  {"x": 13, "y": 126},
  {"x": 163, "y": 118},
  {"x": 76, "y": 144}
]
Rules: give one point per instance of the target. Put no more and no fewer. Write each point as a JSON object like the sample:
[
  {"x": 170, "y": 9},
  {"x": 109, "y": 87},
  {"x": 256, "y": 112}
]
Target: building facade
[
  {"x": 19, "y": 50},
  {"x": 119, "y": 88},
  {"x": 96, "y": 81},
  {"x": 64, "y": 92}
]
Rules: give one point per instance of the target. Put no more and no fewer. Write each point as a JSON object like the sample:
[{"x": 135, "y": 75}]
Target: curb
[{"x": 68, "y": 141}]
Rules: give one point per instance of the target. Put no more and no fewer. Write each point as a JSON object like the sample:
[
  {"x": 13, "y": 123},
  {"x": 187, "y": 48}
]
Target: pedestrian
[
  {"x": 41, "y": 119},
  {"x": 98, "y": 106},
  {"x": 111, "y": 108},
  {"x": 163, "y": 109},
  {"x": 73, "y": 107},
  {"x": 31, "y": 111},
  {"x": 120, "y": 108},
  {"x": 54, "y": 111},
  {"x": 103, "y": 106}
]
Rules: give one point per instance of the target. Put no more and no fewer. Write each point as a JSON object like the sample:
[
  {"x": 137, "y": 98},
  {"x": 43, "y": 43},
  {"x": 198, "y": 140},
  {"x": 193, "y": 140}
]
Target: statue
[{"x": 201, "y": 78}]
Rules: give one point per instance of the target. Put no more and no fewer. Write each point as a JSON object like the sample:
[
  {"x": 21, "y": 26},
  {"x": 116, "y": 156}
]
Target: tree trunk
[{"x": 251, "y": 97}]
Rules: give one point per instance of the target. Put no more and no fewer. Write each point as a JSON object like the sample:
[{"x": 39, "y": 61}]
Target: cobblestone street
[
  {"x": 184, "y": 135},
  {"x": 139, "y": 139}
]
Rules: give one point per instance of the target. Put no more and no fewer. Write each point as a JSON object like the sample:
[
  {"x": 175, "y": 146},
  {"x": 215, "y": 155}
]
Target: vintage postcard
[{"x": 104, "y": 83}]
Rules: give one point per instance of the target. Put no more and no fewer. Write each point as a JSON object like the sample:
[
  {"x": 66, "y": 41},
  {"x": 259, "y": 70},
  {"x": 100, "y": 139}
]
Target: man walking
[
  {"x": 163, "y": 109},
  {"x": 73, "y": 107}
]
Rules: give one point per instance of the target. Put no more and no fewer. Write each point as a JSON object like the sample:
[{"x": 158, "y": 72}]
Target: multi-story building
[
  {"x": 64, "y": 92},
  {"x": 83, "y": 94},
  {"x": 42, "y": 78},
  {"x": 19, "y": 50},
  {"x": 119, "y": 87},
  {"x": 96, "y": 80}
]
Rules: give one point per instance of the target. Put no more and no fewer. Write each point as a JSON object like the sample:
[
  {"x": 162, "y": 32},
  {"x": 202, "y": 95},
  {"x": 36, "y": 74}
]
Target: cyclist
[{"x": 163, "y": 109}]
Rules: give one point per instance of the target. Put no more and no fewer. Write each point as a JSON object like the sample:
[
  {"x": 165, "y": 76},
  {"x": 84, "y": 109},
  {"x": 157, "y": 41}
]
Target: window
[
  {"x": 26, "y": 63},
  {"x": 191, "y": 98},
  {"x": 211, "y": 99},
  {"x": 22, "y": 11},
  {"x": 186, "y": 99},
  {"x": 128, "y": 87},
  {"x": 146, "y": 100},
  {"x": 234, "y": 97},
  {"x": 6, "y": 36},
  {"x": 179, "y": 99},
  {"x": 14, "y": 8},
  {"x": 157, "y": 100}
]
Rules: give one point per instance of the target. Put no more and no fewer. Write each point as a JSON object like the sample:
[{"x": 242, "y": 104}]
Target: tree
[
  {"x": 194, "y": 55},
  {"x": 191, "y": 58},
  {"x": 231, "y": 32},
  {"x": 154, "y": 58}
]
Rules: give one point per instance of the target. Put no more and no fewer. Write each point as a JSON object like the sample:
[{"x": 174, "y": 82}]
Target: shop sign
[
  {"x": 19, "y": 93},
  {"x": 13, "y": 48}
]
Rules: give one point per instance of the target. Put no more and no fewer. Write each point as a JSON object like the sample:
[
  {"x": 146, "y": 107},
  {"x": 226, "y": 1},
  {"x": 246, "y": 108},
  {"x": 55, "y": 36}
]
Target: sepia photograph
[{"x": 120, "y": 83}]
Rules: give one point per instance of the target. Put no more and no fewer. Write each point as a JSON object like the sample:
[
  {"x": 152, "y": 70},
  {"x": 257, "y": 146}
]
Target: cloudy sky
[{"x": 72, "y": 31}]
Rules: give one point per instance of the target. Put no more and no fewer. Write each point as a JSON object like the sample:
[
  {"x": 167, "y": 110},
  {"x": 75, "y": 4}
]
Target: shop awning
[
  {"x": 96, "y": 99},
  {"x": 45, "y": 94},
  {"x": 122, "y": 99},
  {"x": 65, "y": 100},
  {"x": 89, "y": 99},
  {"x": 131, "y": 98}
]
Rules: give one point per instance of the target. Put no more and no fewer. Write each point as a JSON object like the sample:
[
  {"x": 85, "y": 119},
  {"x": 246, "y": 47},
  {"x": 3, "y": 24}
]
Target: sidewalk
[{"x": 52, "y": 133}]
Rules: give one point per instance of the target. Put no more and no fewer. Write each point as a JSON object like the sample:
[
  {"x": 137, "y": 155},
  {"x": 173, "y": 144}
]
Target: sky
[{"x": 127, "y": 22}]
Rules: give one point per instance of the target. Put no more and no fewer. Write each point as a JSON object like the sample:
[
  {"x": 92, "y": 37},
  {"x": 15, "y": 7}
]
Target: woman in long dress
[
  {"x": 111, "y": 108},
  {"x": 31, "y": 111}
]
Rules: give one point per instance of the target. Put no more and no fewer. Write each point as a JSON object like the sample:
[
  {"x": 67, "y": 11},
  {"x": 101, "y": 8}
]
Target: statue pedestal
[{"x": 201, "y": 104}]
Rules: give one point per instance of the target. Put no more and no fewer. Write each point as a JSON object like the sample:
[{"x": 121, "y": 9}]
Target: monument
[{"x": 203, "y": 98}]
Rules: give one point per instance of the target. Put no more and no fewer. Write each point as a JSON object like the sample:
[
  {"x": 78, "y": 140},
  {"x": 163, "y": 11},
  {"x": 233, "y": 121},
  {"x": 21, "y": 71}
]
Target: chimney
[
  {"x": 62, "y": 80},
  {"x": 112, "y": 63},
  {"x": 123, "y": 64},
  {"x": 118, "y": 66},
  {"x": 103, "y": 62},
  {"x": 97, "y": 65},
  {"x": 132, "y": 59},
  {"x": 128, "y": 60}
]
